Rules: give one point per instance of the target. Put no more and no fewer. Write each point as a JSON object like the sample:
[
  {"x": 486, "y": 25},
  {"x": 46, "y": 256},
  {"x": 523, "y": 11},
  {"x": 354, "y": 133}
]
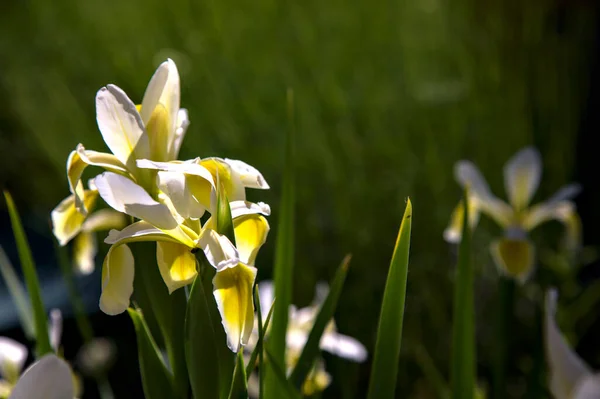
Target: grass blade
[
  {"x": 287, "y": 389},
  {"x": 31, "y": 280},
  {"x": 262, "y": 328},
  {"x": 311, "y": 349},
  {"x": 239, "y": 385},
  {"x": 157, "y": 381},
  {"x": 200, "y": 345},
  {"x": 462, "y": 371},
  {"x": 389, "y": 334},
  {"x": 284, "y": 258},
  {"x": 18, "y": 294}
]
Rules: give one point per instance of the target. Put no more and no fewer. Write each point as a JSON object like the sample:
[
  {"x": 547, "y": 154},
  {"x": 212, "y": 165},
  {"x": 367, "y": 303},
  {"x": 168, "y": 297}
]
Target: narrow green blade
[
  {"x": 262, "y": 328},
  {"x": 18, "y": 294},
  {"x": 311, "y": 349},
  {"x": 200, "y": 345},
  {"x": 287, "y": 389},
  {"x": 284, "y": 259},
  {"x": 389, "y": 334},
  {"x": 239, "y": 385},
  {"x": 31, "y": 280},
  {"x": 156, "y": 379},
  {"x": 462, "y": 371}
]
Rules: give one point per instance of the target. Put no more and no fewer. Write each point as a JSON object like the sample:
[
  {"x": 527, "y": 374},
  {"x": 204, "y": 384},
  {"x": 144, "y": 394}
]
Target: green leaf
[
  {"x": 462, "y": 371},
  {"x": 262, "y": 328},
  {"x": 389, "y": 334},
  {"x": 167, "y": 310},
  {"x": 200, "y": 345},
  {"x": 311, "y": 349},
  {"x": 156, "y": 379},
  {"x": 18, "y": 295},
  {"x": 31, "y": 280},
  {"x": 224, "y": 221},
  {"x": 239, "y": 386},
  {"x": 287, "y": 389},
  {"x": 283, "y": 270}
]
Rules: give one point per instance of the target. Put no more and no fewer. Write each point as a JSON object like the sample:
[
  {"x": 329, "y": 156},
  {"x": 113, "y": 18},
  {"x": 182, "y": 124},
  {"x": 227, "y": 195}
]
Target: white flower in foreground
[
  {"x": 569, "y": 377},
  {"x": 12, "y": 358},
  {"x": 514, "y": 254},
  {"x": 48, "y": 378}
]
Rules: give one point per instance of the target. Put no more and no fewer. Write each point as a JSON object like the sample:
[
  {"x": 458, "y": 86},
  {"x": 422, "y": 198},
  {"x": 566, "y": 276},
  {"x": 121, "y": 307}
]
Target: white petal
[
  {"x": 55, "y": 329},
  {"x": 249, "y": 175},
  {"x": 240, "y": 208},
  {"x": 189, "y": 167},
  {"x": 174, "y": 185},
  {"x": 566, "y": 368},
  {"x": 552, "y": 208},
  {"x": 588, "y": 388},
  {"x": 125, "y": 196},
  {"x": 121, "y": 125},
  {"x": 85, "y": 249},
  {"x": 343, "y": 346},
  {"x": 266, "y": 296},
  {"x": 219, "y": 251},
  {"x": 12, "y": 358},
  {"x": 522, "y": 174},
  {"x": 138, "y": 232},
  {"x": 295, "y": 339},
  {"x": 154, "y": 91},
  {"x": 104, "y": 219},
  {"x": 183, "y": 122},
  {"x": 48, "y": 378},
  {"x": 117, "y": 280}
]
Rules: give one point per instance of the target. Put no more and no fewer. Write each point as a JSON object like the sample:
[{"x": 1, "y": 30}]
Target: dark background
[{"x": 388, "y": 96}]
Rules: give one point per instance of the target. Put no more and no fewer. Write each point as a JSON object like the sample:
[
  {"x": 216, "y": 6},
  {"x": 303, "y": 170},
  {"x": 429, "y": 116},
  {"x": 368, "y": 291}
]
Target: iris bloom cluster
[
  {"x": 514, "y": 253},
  {"x": 168, "y": 201},
  {"x": 300, "y": 324}
]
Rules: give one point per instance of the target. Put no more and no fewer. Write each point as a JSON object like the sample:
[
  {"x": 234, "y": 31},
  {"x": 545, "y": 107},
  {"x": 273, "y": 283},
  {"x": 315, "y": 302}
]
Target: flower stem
[{"x": 504, "y": 321}]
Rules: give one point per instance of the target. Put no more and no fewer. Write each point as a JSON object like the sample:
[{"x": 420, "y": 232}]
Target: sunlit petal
[
  {"x": 343, "y": 346},
  {"x": 566, "y": 368},
  {"x": 240, "y": 208},
  {"x": 233, "y": 293},
  {"x": 249, "y": 175},
  {"x": 266, "y": 296},
  {"x": 48, "y": 378},
  {"x": 67, "y": 221},
  {"x": 514, "y": 257},
  {"x": 177, "y": 264},
  {"x": 219, "y": 251},
  {"x": 138, "y": 232},
  {"x": 522, "y": 174},
  {"x": 84, "y": 253},
  {"x": 221, "y": 172},
  {"x": 104, "y": 219},
  {"x": 159, "y": 134},
  {"x": 183, "y": 122},
  {"x": 117, "y": 280},
  {"x": 13, "y": 355},
  {"x": 250, "y": 234},
  {"x": 453, "y": 232},
  {"x": 175, "y": 186}
]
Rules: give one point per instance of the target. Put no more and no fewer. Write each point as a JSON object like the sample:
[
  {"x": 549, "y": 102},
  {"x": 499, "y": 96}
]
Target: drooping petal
[
  {"x": 343, "y": 346},
  {"x": 522, "y": 174},
  {"x": 469, "y": 176},
  {"x": 140, "y": 232},
  {"x": 249, "y": 175},
  {"x": 175, "y": 186},
  {"x": 566, "y": 368},
  {"x": 588, "y": 388},
  {"x": 121, "y": 125},
  {"x": 85, "y": 249},
  {"x": 183, "y": 122},
  {"x": 67, "y": 221},
  {"x": 233, "y": 294},
  {"x": 48, "y": 378},
  {"x": 240, "y": 208},
  {"x": 177, "y": 264},
  {"x": 163, "y": 90},
  {"x": 104, "y": 219},
  {"x": 514, "y": 257},
  {"x": 551, "y": 208},
  {"x": 219, "y": 251},
  {"x": 12, "y": 358},
  {"x": 125, "y": 196},
  {"x": 117, "y": 280},
  {"x": 453, "y": 232},
  {"x": 224, "y": 176},
  {"x": 79, "y": 159},
  {"x": 250, "y": 234}
]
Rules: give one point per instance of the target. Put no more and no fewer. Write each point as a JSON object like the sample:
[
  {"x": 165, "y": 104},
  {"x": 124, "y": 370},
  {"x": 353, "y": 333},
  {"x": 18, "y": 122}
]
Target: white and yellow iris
[
  {"x": 569, "y": 377},
  {"x": 514, "y": 254}
]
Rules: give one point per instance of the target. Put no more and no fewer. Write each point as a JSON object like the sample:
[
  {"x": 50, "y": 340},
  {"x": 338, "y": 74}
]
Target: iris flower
[
  {"x": 570, "y": 377},
  {"x": 514, "y": 253}
]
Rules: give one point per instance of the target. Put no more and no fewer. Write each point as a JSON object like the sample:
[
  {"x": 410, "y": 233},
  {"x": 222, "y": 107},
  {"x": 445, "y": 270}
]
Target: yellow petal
[
  {"x": 117, "y": 280},
  {"x": 250, "y": 234},
  {"x": 177, "y": 264},
  {"x": 104, "y": 219},
  {"x": 514, "y": 257},
  {"x": 232, "y": 288},
  {"x": 222, "y": 173},
  {"x": 316, "y": 381},
  {"x": 84, "y": 252},
  {"x": 453, "y": 232},
  {"x": 67, "y": 221},
  {"x": 158, "y": 133}
]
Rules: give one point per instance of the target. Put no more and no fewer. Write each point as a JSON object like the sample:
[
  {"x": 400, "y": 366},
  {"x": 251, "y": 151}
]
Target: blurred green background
[{"x": 389, "y": 94}]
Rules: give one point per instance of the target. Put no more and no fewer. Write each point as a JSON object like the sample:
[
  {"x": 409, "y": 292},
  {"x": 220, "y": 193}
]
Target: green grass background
[{"x": 389, "y": 94}]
